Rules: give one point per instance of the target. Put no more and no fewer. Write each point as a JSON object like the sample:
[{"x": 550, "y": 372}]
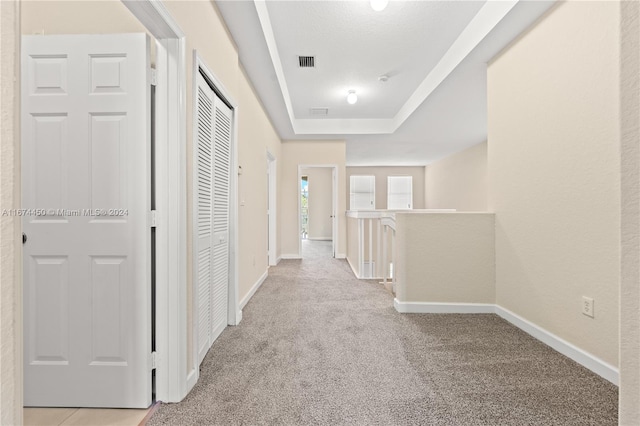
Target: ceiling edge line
[
  {"x": 267, "y": 32},
  {"x": 354, "y": 126},
  {"x": 487, "y": 18}
]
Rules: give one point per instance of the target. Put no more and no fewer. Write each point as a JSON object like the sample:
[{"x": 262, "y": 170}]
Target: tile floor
[{"x": 83, "y": 417}]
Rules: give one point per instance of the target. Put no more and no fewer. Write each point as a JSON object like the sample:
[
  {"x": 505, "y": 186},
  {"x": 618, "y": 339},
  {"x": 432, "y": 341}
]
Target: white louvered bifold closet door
[
  {"x": 212, "y": 163},
  {"x": 203, "y": 160},
  {"x": 221, "y": 184}
]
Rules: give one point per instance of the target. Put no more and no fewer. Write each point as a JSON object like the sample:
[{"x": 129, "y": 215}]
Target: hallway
[{"x": 317, "y": 346}]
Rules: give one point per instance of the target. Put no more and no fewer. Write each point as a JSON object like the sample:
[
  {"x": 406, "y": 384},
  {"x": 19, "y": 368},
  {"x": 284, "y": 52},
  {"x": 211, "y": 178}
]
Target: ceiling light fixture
[
  {"x": 352, "y": 98},
  {"x": 379, "y": 5}
]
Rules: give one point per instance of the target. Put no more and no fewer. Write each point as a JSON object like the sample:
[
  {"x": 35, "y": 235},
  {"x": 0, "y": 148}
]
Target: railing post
[{"x": 385, "y": 265}]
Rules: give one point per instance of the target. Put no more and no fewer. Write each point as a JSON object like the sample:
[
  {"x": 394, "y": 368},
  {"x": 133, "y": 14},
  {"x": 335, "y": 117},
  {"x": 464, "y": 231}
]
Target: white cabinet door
[{"x": 85, "y": 168}]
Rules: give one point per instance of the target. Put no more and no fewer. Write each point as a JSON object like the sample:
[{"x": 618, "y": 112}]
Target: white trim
[
  {"x": 192, "y": 378},
  {"x": 353, "y": 269},
  {"x": 320, "y": 239},
  {"x": 580, "y": 356},
  {"x": 587, "y": 360},
  {"x": 289, "y": 257},
  {"x": 341, "y": 256},
  {"x": 235, "y": 314},
  {"x": 442, "y": 308},
  {"x": 253, "y": 290},
  {"x": 172, "y": 381}
]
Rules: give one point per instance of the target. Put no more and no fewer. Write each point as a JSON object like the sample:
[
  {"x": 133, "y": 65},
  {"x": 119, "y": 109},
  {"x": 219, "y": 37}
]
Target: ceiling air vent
[
  {"x": 307, "y": 61},
  {"x": 319, "y": 111}
]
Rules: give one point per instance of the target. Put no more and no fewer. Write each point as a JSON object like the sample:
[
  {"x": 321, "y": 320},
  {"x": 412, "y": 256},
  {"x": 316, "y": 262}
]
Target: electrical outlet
[{"x": 587, "y": 306}]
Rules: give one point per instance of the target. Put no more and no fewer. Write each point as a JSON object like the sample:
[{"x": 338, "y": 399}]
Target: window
[
  {"x": 399, "y": 192},
  {"x": 362, "y": 193}
]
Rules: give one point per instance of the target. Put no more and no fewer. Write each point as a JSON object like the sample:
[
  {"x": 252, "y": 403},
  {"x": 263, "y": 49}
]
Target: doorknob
[{"x": 24, "y": 238}]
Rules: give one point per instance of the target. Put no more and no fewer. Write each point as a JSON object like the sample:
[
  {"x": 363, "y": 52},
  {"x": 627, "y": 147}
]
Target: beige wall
[
  {"x": 77, "y": 17},
  {"x": 256, "y": 136},
  {"x": 554, "y": 174},
  {"x": 629, "y": 407},
  {"x": 381, "y": 173},
  {"x": 309, "y": 153},
  {"x": 445, "y": 257},
  {"x": 458, "y": 181},
  {"x": 320, "y": 202},
  {"x": 10, "y": 229}
]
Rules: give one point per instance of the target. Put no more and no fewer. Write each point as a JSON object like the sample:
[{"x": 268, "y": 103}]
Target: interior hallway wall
[
  {"x": 381, "y": 174},
  {"x": 73, "y": 17},
  {"x": 458, "y": 181},
  {"x": 256, "y": 137},
  {"x": 554, "y": 173},
  {"x": 309, "y": 153}
]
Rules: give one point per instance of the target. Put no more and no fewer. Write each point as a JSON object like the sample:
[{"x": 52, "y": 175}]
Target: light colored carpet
[{"x": 317, "y": 346}]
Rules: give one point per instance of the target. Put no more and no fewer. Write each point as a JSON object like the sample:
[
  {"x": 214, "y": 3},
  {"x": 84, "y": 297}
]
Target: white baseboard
[
  {"x": 352, "y": 268},
  {"x": 567, "y": 349},
  {"x": 253, "y": 290},
  {"x": 341, "y": 256},
  {"x": 319, "y": 238},
  {"x": 443, "y": 308},
  {"x": 289, "y": 257},
  {"x": 192, "y": 379}
]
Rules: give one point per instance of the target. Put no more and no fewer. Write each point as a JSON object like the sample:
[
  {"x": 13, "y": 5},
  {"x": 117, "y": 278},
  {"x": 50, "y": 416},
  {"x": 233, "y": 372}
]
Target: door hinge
[
  {"x": 153, "y": 77},
  {"x": 153, "y": 218},
  {"x": 154, "y": 360}
]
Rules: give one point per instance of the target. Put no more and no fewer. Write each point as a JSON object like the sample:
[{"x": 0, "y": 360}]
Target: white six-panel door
[
  {"x": 85, "y": 172},
  {"x": 212, "y": 174}
]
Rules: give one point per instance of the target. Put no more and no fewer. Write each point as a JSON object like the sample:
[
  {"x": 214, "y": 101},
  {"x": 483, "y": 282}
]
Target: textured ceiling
[
  {"x": 354, "y": 45},
  {"x": 434, "y": 52}
]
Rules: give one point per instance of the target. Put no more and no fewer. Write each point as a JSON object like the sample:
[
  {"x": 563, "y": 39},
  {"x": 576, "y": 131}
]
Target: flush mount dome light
[
  {"x": 379, "y": 5},
  {"x": 352, "y": 98}
]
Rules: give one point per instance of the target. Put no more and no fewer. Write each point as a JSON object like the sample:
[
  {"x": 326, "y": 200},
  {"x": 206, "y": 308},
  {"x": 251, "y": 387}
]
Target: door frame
[
  {"x": 172, "y": 383},
  {"x": 272, "y": 178},
  {"x": 334, "y": 202},
  {"x": 234, "y": 314}
]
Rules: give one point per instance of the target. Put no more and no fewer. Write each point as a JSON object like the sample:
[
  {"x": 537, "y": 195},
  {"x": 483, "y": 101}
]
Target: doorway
[
  {"x": 272, "y": 210},
  {"x": 317, "y": 203}
]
